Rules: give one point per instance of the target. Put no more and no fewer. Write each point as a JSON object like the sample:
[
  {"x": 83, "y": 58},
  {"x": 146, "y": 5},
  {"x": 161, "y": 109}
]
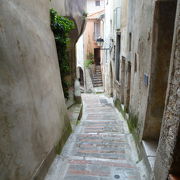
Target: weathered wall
[
  {"x": 149, "y": 57},
  {"x": 89, "y": 41},
  {"x": 108, "y": 35},
  {"x": 168, "y": 157},
  {"x": 32, "y": 108},
  {"x": 80, "y": 52},
  {"x": 140, "y": 25},
  {"x": 163, "y": 29}
]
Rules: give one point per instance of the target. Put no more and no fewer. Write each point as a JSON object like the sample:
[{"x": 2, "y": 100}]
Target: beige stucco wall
[
  {"x": 89, "y": 42},
  {"x": 32, "y": 108}
]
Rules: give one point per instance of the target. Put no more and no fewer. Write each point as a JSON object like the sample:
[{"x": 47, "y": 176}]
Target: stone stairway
[
  {"x": 97, "y": 77},
  {"x": 100, "y": 148}
]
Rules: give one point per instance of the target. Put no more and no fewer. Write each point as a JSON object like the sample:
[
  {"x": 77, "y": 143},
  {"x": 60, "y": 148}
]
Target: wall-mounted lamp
[{"x": 100, "y": 43}]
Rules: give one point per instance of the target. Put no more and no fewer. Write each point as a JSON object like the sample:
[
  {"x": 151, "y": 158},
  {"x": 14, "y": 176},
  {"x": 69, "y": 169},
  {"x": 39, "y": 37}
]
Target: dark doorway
[
  {"x": 122, "y": 80},
  {"x": 97, "y": 56},
  {"x": 163, "y": 31},
  {"x": 128, "y": 84},
  {"x": 111, "y": 81},
  {"x": 81, "y": 76},
  {"x": 118, "y": 49}
]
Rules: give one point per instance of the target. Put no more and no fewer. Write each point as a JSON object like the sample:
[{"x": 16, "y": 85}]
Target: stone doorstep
[{"x": 150, "y": 148}]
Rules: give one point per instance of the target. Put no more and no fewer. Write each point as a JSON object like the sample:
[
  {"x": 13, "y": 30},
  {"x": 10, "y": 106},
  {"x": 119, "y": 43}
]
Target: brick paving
[{"x": 99, "y": 148}]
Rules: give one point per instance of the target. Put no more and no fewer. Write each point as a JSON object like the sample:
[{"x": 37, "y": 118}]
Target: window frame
[{"x": 97, "y": 2}]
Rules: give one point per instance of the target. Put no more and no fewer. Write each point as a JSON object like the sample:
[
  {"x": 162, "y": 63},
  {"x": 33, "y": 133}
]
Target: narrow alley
[
  {"x": 99, "y": 148},
  {"x": 90, "y": 90}
]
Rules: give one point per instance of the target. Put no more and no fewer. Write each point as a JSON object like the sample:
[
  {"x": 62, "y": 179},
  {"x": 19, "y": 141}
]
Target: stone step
[
  {"x": 95, "y": 77},
  {"x": 100, "y": 81},
  {"x": 97, "y": 83}
]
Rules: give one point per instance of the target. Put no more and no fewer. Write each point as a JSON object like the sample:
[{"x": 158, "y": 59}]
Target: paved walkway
[{"x": 99, "y": 149}]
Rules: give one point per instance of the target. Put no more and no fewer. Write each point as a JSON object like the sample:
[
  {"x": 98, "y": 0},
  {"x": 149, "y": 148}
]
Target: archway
[{"x": 80, "y": 76}]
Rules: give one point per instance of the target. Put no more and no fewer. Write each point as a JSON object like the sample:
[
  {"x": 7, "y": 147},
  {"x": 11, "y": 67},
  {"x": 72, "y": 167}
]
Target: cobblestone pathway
[{"x": 99, "y": 148}]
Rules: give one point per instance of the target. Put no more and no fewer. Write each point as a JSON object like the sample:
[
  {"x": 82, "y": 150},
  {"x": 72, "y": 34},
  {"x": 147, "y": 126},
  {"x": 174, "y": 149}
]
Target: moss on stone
[
  {"x": 132, "y": 122},
  {"x": 119, "y": 107},
  {"x": 66, "y": 134}
]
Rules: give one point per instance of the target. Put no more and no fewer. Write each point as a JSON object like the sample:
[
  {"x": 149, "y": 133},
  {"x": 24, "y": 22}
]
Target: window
[
  {"x": 96, "y": 30},
  {"x": 117, "y": 18},
  {"x": 97, "y": 2}
]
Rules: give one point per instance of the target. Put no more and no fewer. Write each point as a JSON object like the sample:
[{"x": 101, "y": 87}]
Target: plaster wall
[
  {"x": 92, "y": 8},
  {"x": 124, "y": 28},
  {"x": 116, "y": 3},
  {"x": 106, "y": 55},
  {"x": 140, "y": 24},
  {"x": 80, "y": 52},
  {"x": 89, "y": 41},
  {"x": 33, "y": 116},
  {"x": 163, "y": 29}
]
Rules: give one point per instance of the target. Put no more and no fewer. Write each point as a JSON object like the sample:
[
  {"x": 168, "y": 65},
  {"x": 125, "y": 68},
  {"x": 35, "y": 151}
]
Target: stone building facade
[
  {"x": 33, "y": 115},
  {"x": 142, "y": 55}
]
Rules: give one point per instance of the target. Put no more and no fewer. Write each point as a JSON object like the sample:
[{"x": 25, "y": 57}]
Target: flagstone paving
[{"x": 99, "y": 148}]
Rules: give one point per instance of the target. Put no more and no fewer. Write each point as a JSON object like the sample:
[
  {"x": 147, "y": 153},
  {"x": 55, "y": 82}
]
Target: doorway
[
  {"x": 128, "y": 84},
  {"x": 81, "y": 76},
  {"x": 97, "y": 56},
  {"x": 118, "y": 50},
  {"x": 122, "y": 78},
  {"x": 111, "y": 81}
]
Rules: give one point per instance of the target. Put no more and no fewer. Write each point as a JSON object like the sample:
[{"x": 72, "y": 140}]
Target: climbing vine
[{"x": 61, "y": 27}]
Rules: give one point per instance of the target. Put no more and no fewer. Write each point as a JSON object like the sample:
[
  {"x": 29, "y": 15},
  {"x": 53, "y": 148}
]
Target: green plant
[
  {"x": 88, "y": 62},
  {"x": 85, "y": 14},
  {"x": 61, "y": 27}
]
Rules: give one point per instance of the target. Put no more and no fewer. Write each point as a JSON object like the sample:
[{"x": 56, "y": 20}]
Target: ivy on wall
[{"x": 61, "y": 27}]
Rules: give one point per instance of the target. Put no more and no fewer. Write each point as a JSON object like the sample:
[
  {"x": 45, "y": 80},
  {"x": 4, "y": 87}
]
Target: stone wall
[
  {"x": 163, "y": 29},
  {"x": 168, "y": 158},
  {"x": 33, "y": 116},
  {"x": 140, "y": 23},
  {"x": 151, "y": 25}
]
